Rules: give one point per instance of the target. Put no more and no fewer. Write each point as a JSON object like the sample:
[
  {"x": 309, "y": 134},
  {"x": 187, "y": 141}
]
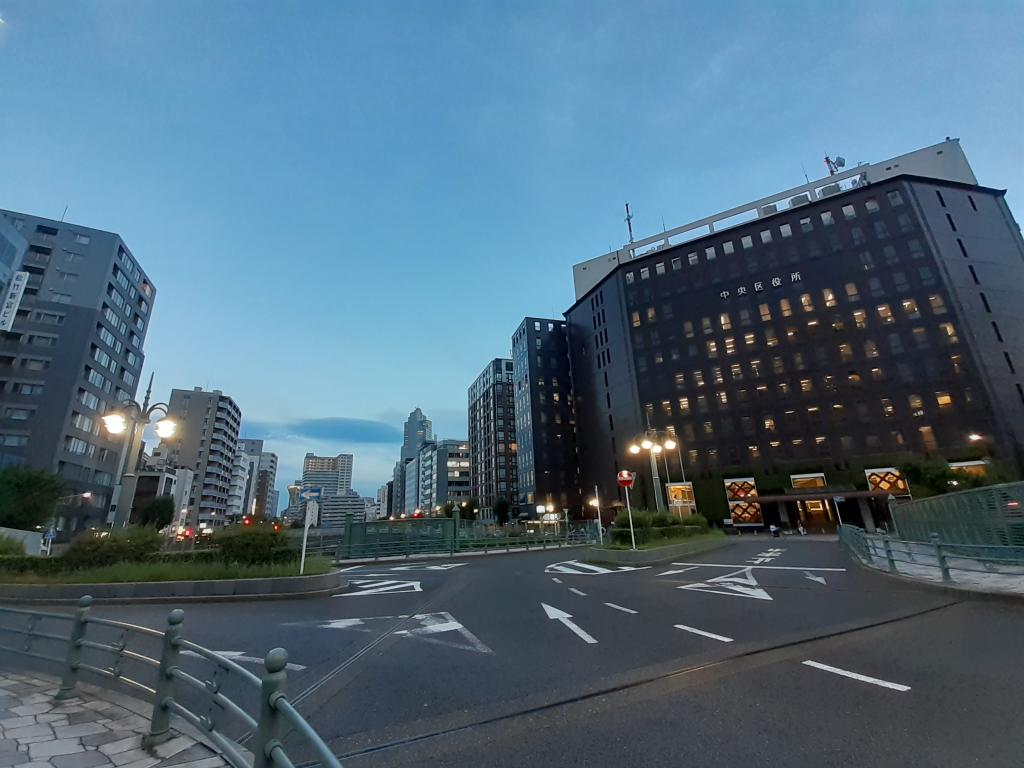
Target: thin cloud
[{"x": 338, "y": 429}]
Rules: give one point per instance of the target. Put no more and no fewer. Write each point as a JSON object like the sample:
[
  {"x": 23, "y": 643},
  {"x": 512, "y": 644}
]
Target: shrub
[
  {"x": 127, "y": 544},
  {"x": 259, "y": 544},
  {"x": 30, "y": 564},
  {"x": 28, "y": 497},
  {"x": 11, "y": 546},
  {"x": 697, "y": 520},
  {"x": 158, "y": 513}
]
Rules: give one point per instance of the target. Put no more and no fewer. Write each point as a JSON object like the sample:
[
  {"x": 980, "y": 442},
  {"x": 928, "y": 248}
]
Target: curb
[
  {"x": 458, "y": 554},
  {"x": 637, "y": 557},
  {"x": 950, "y": 589},
  {"x": 208, "y": 591}
]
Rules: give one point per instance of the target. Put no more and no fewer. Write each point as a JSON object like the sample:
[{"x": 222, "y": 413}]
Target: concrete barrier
[
  {"x": 657, "y": 555},
  {"x": 213, "y": 590}
]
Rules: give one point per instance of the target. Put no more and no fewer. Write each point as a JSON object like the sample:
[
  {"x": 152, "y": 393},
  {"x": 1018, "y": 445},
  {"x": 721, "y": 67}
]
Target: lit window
[
  {"x": 766, "y": 313},
  {"x": 785, "y": 307},
  {"x": 928, "y": 438},
  {"x": 870, "y": 349},
  {"x": 712, "y": 347},
  {"x": 748, "y": 339},
  {"x": 943, "y": 400},
  {"x": 806, "y": 303},
  {"x": 830, "y": 297},
  {"x": 725, "y": 321},
  {"x": 770, "y": 338},
  {"x": 806, "y": 385},
  {"x": 949, "y": 332},
  {"x": 635, "y": 317},
  {"x": 652, "y": 316},
  {"x": 860, "y": 318},
  {"x": 716, "y": 374},
  {"x": 684, "y": 405},
  {"x": 910, "y": 308},
  {"x": 737, "y": 371},
  {"x": 877, "y": 374},
  {"x": 680, "y": 381},
  {"x": 723, "y": 399},
  {"x": 937, "y": 304},
  {"x": 885, "y": 313},
  {"x": 698, "y": 378},
  {"x": 730, "y": 345},
  {"x": 846, "y": 352},
  {"x": 769, "y": 423},
  {"x": 851, "y": 292},
  {"x": 916, "y": 405}
]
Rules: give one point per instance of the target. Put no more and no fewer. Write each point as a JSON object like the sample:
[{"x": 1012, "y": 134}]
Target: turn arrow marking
[
  {"x": 559, "y": 615},
  {"x": 812, "y": 577}
]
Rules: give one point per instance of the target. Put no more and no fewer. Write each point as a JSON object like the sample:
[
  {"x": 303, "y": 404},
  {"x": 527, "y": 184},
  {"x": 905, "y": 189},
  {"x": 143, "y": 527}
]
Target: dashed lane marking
[
  {"x": 620, "y": 608},
  {"x": 577, "y": 592},
  {"x": 702, "y": 633},
  {"x": 556, "y": 580},
  {"x": 856, "y": 676}
]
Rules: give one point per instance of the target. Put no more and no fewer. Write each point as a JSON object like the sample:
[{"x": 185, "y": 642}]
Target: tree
[
  {"x": 158, "y": 513},
  {"x": 28, "y": 497},
  {"x": 931, "y": 473},
  {"x": 501, "y": 511}
]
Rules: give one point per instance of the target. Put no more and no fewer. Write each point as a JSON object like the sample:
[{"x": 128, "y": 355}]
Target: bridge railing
[
  {"x": 213, "y": 700},
  {"x": 935, "y": 558}
]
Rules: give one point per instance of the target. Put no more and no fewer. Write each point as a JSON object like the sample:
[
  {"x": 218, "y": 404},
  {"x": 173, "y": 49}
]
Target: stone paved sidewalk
[{"x": 100, "y": 729}]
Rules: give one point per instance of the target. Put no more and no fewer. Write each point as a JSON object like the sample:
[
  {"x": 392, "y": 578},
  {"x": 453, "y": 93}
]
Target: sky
[{"x": 347, "y": 208}]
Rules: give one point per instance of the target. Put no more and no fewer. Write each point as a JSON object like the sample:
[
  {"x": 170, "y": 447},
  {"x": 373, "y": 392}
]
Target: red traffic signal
[
  {"x": 246, "y": 520},
  {"x": 277, "y": 527}
]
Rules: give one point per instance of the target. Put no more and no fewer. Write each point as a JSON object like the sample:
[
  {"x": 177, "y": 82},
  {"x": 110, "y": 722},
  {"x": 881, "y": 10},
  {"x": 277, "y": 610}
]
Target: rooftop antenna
[
  {"x": 805, "y": 173},
  {"x": 663, "y": 227},
  {"x": 64, "y": 214},
  {"x": 629, "y": 222},
  {"x": 834, "y": 165}
]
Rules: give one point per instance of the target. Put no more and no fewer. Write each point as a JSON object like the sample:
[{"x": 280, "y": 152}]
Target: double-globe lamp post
[
  {"x": 132, "y": 420},
  {"x": 655, "y": 446}
]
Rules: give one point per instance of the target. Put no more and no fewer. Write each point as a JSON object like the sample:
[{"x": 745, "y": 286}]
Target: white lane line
[
  {"x": 350, "y": 568},
  {"x": 677, "y": 570},
  {"x": 557, "y": 581},
  {"x": 560, "y": 615},
  {"x": 856, "y": 676},
  {"x": 620, "y": 608},
  {"x": 765, "y": 567},
  {"x": 578, "y": 592},
  {"x": 696, "y": 631}
]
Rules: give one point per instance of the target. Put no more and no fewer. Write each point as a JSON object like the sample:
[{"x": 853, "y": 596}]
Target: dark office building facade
[
  {"x": 864, "y": 322},
  {"x": 74, "y": 352},
  {"x": 545, "y": 419},
  {"x": 492, "y": 437}
]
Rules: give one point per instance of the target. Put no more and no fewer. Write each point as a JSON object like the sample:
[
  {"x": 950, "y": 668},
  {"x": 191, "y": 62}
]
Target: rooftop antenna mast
[
  {"x": 834, "y": 166},
  {"x": 629, "y": 222}
]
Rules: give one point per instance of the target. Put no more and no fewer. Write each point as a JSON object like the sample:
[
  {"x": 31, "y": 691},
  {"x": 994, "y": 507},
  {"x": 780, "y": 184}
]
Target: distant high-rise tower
[
  {"x": 492, "y": 436},
  {"x": 332, "y": 474},
  {"x": 418, "y": 430}
]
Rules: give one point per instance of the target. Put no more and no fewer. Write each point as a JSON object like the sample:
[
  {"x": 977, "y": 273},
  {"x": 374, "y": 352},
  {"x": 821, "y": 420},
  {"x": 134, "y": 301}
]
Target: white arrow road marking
[
  {"x": 562, "y": 616},
  {"x": 812, "y": 577},
  {"x": 578, "y": 592},
  {"x": 390, "y": 586},
  {"x": 701, "y": 632},
  {"x": 430, "y": 627},
  {"x": 587, "y": 569},
  {"x": 739, "y": 583},
  {"x": 556, "y": 580},
  {"x": 855, "y": 676},
  {"x": 677, "y": 570},
  {"x": 620, "y": 608},
  {"x": 242, "y": 657},
  {"x": 423, "y": 567}
]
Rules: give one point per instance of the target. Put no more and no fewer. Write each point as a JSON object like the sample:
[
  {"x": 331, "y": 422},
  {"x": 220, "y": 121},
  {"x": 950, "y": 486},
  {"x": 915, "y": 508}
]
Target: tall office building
[
  {"x": 273, "y": 508},
  {"x": 411, "y": 487},
  {"x": 240, "y": 487},
  {"x": 492, "y": 437},
  {"x": 545, "y": 419},
  {"x": 332, "y": 474},
  {"x": 417, "y": 430},
  {"x": 12, "y": 252},
  {"x": 452, "y": 477},
  {"x": 252, "y": 450},
  {"x": 836, "y": 328},
  {"x": 266, "y": 479},
  {"x": 206, "y": 440},
  {"x": 73, "y": 352}
]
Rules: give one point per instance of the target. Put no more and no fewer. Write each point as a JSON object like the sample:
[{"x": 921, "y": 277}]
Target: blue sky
[{"x": 347, "y": 208}]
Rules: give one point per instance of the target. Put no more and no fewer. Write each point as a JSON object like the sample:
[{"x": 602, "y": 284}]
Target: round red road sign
[{"x": 625, "y": 478}]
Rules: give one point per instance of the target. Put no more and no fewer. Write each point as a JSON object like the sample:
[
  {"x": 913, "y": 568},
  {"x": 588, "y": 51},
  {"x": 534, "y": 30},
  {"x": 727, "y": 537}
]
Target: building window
[
  {"x": 845, "y": 353},
  {"x": 645, "y": 273},
  {"x": 770, "y": 339},
  {"x": 747, "y": 242},
  {"x": 635, "y": 318},
  {"x": 895, "y": 198},
  {"x": 629, "y": 278},
  {"x": 849, "y": 212},
  {"x": 910, "y": 308},
  {"x": 766, "y": 313},
  {"x": 826, "y": 218},
  {"x": 786, "y": 230},
  {"x": 728, "y": 247},
  {"x": 677, "y": 264},
  {"x": 684, "y": 405},
  {"x": 709, "y": 253},
  {"x": 928, "y": 438},
  {"x": 652, "y": 316},
  {"x": 785, "y": 308},
  {"x": 766, "y": 236},
  {"x": 943, "y": 400},
  {"x": 712, "y": 348},
  {"x": 724, "y": 321},
  {"x": 948, "y": 331},
  {"x": 806, "y": 303},
  {"x": 885, "y": 314},
  {"x": 851, "y": 292},
  {"x": 659, "y": 268},
  {"x": 870, "y": 349},
  {"x": 881, "y": 230}
]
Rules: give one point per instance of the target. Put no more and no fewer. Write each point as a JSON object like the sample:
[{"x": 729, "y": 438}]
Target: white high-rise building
[{"x": 332, "y": 474}]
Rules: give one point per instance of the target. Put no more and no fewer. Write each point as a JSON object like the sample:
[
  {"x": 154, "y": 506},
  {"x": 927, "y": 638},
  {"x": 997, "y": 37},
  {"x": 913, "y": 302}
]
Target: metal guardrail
[
  {"x": 885, "y": 552},
  {"x": 411, "y": 547},
  {"x": 991, "y": 515},
  {"x": 100, "y": 646}
]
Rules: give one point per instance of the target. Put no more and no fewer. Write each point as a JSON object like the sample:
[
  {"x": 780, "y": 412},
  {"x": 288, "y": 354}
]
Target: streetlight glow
[
  {"x": 656, "y": 448},
  {"x": 646, "y": 444},
  {"x": 634, "y": 449},
  {"x": 592, "y": 502},
  {"x": 165, "y": 428},
  {"x": 670, "y": 444},
  {"x": 974, "y": 437},
  {"x": 115, "y": 423}
]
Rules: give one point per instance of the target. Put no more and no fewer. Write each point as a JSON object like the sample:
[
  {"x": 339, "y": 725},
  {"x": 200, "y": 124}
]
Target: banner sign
[
  {"x": 741, "y": 493},
  {"x": 12, "y": 300},
  {"x": 680, "y": 498},
  {"x": 888, "y": 480}
]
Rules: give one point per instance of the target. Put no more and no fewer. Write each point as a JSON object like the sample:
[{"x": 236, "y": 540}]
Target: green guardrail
[
  {"x": 989, "y": 516},
  {"x": 409, "y": 547}
]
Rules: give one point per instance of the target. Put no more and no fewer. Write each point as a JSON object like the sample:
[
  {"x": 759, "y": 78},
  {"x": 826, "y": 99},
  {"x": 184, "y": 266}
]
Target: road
[{"x": 767, "y": 652}]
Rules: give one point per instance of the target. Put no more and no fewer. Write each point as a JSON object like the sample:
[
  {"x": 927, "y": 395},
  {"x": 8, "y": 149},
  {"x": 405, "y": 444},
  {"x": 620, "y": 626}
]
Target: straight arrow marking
[{"x": 562, "y": 616}]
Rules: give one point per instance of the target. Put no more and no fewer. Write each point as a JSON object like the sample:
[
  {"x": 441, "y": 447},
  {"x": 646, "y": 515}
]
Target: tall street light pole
[
  {"x": 653, "y": 449},
  {"x": 132, "y": 421}
]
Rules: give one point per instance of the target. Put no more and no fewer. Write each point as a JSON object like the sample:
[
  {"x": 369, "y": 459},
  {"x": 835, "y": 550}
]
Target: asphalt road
[{"x": 529, "y": 659}]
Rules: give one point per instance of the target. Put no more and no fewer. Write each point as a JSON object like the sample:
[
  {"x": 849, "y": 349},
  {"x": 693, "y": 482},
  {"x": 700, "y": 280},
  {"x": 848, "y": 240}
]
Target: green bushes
[
  {"x": 259, "y": 544},
  {"x": 648, "y": 527},
  {"x": 126, "y": 545},
  {"x": 10, "y": 546}
]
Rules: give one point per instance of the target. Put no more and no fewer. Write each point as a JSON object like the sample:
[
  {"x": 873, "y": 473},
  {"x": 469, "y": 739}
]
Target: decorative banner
[
  {"x": 809, "y": 480},
  {"x": 680, "y": 498},
  {"x": 741, "y": 493},
  {"x": 887, "y": 479}
]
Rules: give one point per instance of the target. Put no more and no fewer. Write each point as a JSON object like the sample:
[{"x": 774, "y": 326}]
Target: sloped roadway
[{"x": 769, "y": 652}]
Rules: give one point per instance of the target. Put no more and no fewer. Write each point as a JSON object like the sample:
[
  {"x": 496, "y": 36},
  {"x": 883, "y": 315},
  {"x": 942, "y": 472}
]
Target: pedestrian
[
  {"x": 774, "y": 530},
  {"x": 800, "y": 527}
]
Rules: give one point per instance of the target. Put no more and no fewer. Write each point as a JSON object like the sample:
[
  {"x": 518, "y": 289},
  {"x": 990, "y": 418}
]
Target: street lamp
[
  {"x": 974, "y": 437},
  {"x": 132, "y": 421},
  {"x": 653, "y": 449}
]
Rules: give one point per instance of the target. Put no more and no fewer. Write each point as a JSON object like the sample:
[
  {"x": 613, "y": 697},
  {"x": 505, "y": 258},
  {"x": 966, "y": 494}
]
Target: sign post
[
  {"x": 310, "y": 496},
  {"x": 625, "y": 478}
]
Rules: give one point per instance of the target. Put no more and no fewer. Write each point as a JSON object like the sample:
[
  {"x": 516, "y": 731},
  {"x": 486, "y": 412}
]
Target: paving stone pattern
[{"x": 36, "y": 731}]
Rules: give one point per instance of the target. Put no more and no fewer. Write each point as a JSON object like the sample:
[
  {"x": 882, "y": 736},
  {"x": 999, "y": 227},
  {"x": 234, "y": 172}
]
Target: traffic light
[
  {"x": 246, "y": 520},
  {"x": 277, "y": 527}
]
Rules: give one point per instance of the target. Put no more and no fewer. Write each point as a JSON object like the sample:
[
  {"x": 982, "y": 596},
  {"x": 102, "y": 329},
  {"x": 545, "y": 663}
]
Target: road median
[{"x": 682, "y": 548}]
